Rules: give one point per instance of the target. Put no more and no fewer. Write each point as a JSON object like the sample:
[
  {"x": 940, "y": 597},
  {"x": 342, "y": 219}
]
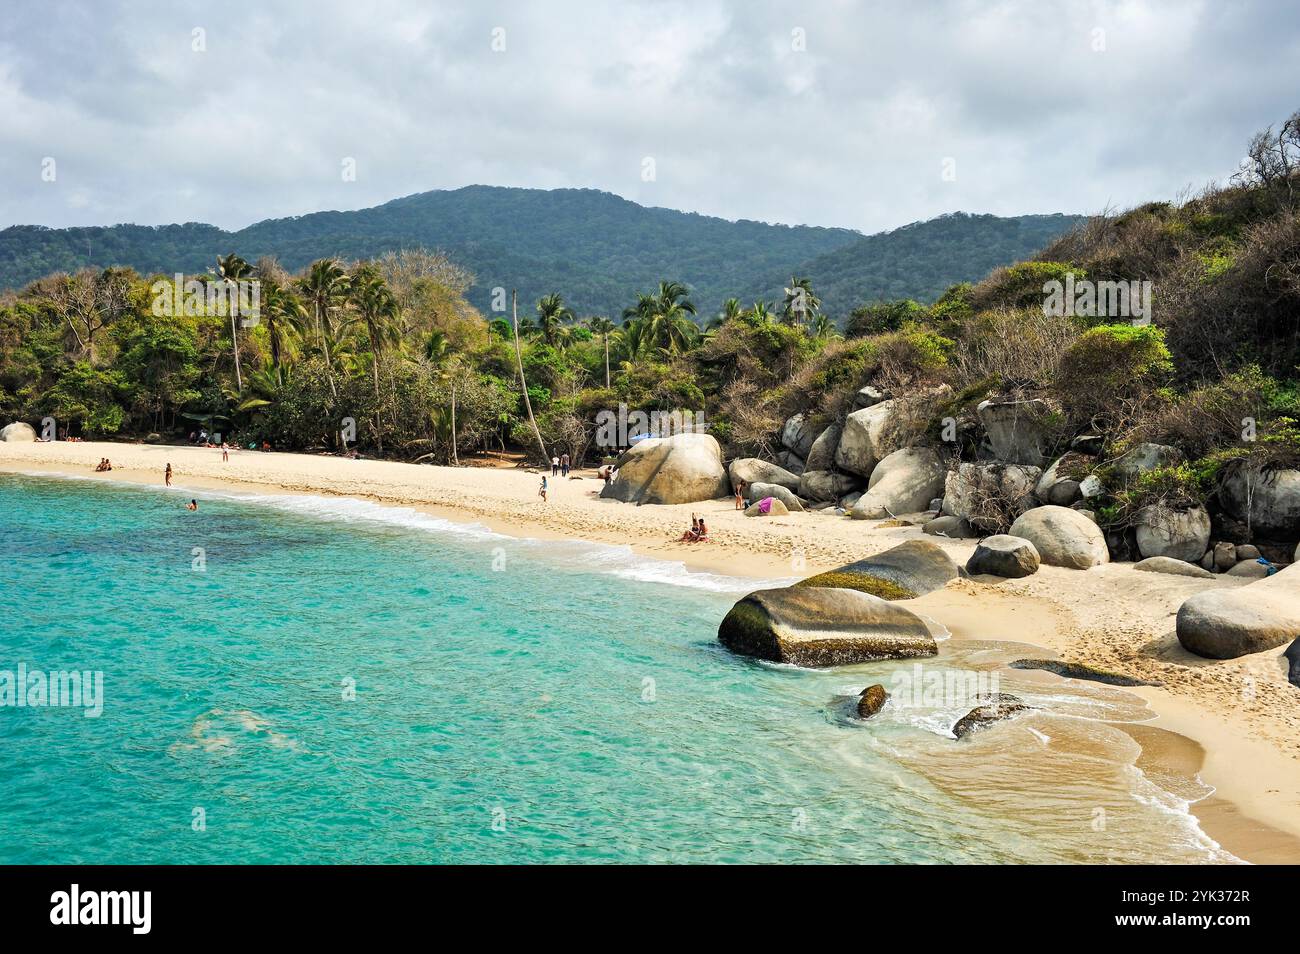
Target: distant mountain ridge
[{"x": 595, "y": 248}]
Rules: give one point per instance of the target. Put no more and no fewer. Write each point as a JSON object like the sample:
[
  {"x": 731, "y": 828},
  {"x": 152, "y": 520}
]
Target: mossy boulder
[
  {"x": 899, "y": 573},
  {"x": 823, "y": 626},
  {"x": 871, "y": 701}
]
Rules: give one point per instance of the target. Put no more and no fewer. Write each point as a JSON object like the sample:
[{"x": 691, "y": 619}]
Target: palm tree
[
  {"x": 325, "y": 284},
  {"x": 801, "y": 303},
  {"x": 758, "y": 314},
  {"x": 552, "y": 313},
  {"x": 603, "y": 327},
  {"x": 284, "y": 315},
  {"x": 823, "y": 327},
  {"x": 732, "y": 309},
  {"x": 378, "y": 312},
  {"x": 230, "y": 269},
  {"x": 664, "y": 321},
  {"x": 523, "y": 383}
]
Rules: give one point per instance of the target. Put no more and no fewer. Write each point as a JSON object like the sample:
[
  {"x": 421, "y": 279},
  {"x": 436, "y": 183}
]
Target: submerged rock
[
  {"x": 1073, "y": 670},
  {"x": 1226, "y": 623},
  {"x": 981, "y": 717},
  {"x": 751, "y": 470},
  {"x": 1063, "y": 537},
  {"x": 684, "y": 468},
  {"x": 823, "y": 626},
  {"x": 872, "y": 700},
  {"x": 899, "y": 573},
  {"x": 1005, "y": 556}
]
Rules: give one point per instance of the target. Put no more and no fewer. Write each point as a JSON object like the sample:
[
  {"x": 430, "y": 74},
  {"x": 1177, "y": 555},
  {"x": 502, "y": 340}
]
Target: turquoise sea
[{"x": 302, "y": 679}]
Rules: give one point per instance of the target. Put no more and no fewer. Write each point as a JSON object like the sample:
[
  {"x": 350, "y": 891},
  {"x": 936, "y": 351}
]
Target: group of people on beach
[
  {"x": 104, "y": 464},
  {"x": 560, "y": 466},
  {"x": 699, "y": 532}
]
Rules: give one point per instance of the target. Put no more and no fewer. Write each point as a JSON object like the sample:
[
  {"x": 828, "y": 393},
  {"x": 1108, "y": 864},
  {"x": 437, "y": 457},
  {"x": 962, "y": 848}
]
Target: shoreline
[{"x": 1110, "y": 616}]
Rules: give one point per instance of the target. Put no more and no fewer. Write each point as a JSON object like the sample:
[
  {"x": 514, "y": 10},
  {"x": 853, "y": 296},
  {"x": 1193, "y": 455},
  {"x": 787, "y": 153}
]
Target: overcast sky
[{"x": 819, "y": 112}]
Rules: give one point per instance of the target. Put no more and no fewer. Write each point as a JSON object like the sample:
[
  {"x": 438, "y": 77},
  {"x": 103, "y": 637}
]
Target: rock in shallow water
[
  {"x": 821, "y": 626},
  {"x": 871, "y": 701},
  {"x": 981, "y": 717}
]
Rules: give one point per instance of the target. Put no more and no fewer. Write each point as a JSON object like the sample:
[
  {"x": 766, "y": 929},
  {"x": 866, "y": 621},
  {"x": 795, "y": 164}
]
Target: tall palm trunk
[
  {"x": 234, "y": 340},
  {"x": 523, "y": 383},
  {"x": 374, "y": 371},
  {"x": 607, "y": 360}
]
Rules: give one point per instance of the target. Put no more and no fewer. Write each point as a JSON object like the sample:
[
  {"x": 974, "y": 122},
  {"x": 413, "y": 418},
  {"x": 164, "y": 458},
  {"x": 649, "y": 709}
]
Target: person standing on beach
[
  {"x": 564, "y": 465},
  {"x": 225, "y": 452},
  {"x": 740, "y": 495},
  {"x": 555, "y": 466},
  {"x": 541, "y": 491},
  {"x": 167, "y": 476}
]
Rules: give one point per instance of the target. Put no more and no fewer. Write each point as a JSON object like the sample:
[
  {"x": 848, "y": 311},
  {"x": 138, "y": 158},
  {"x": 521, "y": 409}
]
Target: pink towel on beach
[{"x": 765, "y": 505}]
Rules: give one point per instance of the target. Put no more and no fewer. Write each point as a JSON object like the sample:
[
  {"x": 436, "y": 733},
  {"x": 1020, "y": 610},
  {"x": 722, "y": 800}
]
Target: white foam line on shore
[{"x": 589, "y": 556}]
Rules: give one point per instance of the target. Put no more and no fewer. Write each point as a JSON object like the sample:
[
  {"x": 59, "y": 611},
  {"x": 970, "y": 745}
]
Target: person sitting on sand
[
  {"x": 541, "y": 491},
  {"x": 167, "y": 476},
  {"x": 108, "y": 464},
  {"x": 693, "y": 534},
  {"x": 704, "y": 532},
  {"x": 192, "y": 505}
]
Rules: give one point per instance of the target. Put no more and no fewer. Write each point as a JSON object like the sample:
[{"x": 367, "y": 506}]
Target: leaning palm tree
[
  {"x": 231, "y": 268},
  {"x": 523, "y": 382},
  {"x": 552, "y": 313},
  {"x": 325, "y": 285},
  {"x": 603, "y": 327}
]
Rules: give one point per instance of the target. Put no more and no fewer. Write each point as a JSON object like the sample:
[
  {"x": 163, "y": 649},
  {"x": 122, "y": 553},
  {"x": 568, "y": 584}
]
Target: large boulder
[
  {"x": 751, "y": 470},
  {"x": 684, "y": 468},
  {"x": 904, "y": 482},
  {"x": 1005, "y": 556},
  {"x": 1064, "y": 537},
  {"x": 868, "y": 396},
  {"x": 956, "y": 528},
  {"x": 974, "y": 491},
  {"x": 899, "y": 573},
  {"x": 757, "y": 491},
  {"x": 1141, "y": 458},
  {"x": 1164, "y": 564},
  {"x": 1269, "y": 500},
  {"x": 1164, "y": 531},
  {"x": 18, "y": 432},
  {"x": 1056, "y": 488},
  {"x": 826, "y": 485},
  {"x": 1292, "y": 656},
  {"x": 1226, "y": 623},
  {"x": 798, "y": 435},
  {"x": 1018, "y": 431},
  {"x": 822, "y": 455},
  {"x": 790, "y": 461},
  {"x": 823, "y": 626}
]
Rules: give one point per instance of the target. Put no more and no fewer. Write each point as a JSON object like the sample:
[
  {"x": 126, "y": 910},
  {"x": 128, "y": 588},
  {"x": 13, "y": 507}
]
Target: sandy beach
[{"x": 1234, "y": 722}]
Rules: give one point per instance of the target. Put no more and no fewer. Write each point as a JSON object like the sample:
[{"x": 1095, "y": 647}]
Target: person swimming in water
[{"x": 192, "y": 505}]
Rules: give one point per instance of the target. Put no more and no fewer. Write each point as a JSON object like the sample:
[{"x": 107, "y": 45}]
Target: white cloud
[{"x": 850, "y": 131}]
